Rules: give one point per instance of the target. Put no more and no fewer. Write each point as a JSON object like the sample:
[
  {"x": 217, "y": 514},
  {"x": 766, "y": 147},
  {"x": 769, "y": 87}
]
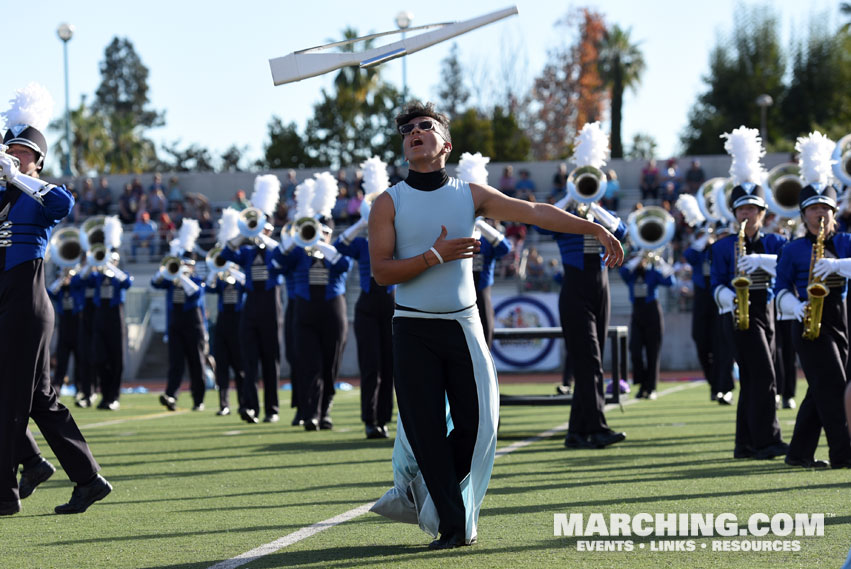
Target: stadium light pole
[
  {"x": 403, "y": 22},
  {"x": 763, "y": 102},
  {"x": 65, "y": 33}
]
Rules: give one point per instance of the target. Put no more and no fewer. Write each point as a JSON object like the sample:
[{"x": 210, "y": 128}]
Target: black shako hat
[
  {"x": 817, "y": 193},
  {"x": 747, "y": 193},
  {"x": 28, "y": 136}
]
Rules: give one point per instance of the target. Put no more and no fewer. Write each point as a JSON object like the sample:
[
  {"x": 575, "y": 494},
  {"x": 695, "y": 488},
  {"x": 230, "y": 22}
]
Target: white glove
[
  {"x": 664, "y": 267},
  {"x": 268, "y": 241},
  {"x": 287, "y": 243},
  {"x": 753, "y": 262},
  {"x": 329, "y": 251},
  {"x": 790, "y": 305},
  {"x": 633, "y": 263},
  {"x": 825, "y": 266},
  {"x": 605, "y": 218},
  {"x": 488, "y": 231},
  {"x": 189, "y": 286},
  {"x": 33, "y": 187},
  {"x": 354, "y": 229},
  {"x": 724, "y": 298},
  {"x": 700, "y": 243}
]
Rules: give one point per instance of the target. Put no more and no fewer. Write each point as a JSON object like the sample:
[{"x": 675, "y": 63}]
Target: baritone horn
[
  {"x": 172, "y": 268},
  {"x": 842, "y": 155},
  {"x": 784, "y": 186},
  {"x": 706, "y": 199},
  {"x": 251, "y": 222},
  {"x": 91, "y": 232},
  {"x": 586, "y": 184},
  {"x": 218, "y": 266},
  {"x": 307, "y": 232},
  {"x": 651, "y": 227},
  {"x": 65, "y": 248}
]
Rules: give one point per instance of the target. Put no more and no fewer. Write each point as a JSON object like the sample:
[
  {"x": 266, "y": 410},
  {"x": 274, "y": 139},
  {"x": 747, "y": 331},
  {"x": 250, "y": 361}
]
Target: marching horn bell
[
  {"x": 842, "y": 155},
  {"x": 651, "y": 227},
  {"x": 586, "y": 184},
  {"x": 784, "y": 186}
]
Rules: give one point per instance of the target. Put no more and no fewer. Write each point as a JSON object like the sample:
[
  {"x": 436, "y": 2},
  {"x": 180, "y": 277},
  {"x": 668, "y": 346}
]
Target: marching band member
[
  {"x": 68, "y": 312},
  {"x": 228, "y": 283},
  {"x": 472, "y": 168},
  {"x": 320, "y": 321},
  {"x": 84, "y": 295},
  {"x": 584, "y": 302},
  {"x": 259, "y": 323},
  {"x": 752, "y": 257},
  {"x": 643, "y": 274},
  {"x": 29, "y": 209},
  {"x": 373, "y": 313},
  {"x": 110, "y": 329},
  {"x": 420, "y": 237},
  {"x": 823, "y": 262},
  {"x": 185, "y": 317}
]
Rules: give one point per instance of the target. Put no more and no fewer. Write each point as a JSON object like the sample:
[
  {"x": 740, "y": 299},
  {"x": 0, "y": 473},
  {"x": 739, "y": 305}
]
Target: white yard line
[{"x": 304, "y": 533}]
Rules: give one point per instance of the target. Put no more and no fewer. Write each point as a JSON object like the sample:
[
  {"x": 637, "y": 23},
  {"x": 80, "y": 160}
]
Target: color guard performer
[
  {"x": 812, "y": 284},
  {"x": 750, "y": 259}
]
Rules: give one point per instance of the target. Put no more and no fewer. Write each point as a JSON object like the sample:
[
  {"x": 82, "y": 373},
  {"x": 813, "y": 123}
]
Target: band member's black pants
[
  {"x": 186, "y": 347},
  {"x": 645, "y": 343},
  {"x": 261, "y": 348},
  {"x": 374, "y": 335},
  {"x": 226, "y": 350}
]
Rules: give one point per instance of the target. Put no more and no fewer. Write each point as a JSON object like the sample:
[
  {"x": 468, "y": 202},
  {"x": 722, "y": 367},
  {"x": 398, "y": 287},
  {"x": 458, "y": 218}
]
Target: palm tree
[{"x": 621, "y": 64}]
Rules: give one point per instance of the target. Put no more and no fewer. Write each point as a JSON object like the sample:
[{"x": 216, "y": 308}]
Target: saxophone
[
  {"x": 741, "y": 283},
  {"x": 816, "y": 290}
]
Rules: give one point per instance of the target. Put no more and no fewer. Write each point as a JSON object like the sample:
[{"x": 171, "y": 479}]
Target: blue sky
[{"x": 209, "y": 69}]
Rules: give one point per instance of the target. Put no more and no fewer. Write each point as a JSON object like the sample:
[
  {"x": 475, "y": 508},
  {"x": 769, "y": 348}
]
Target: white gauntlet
[
  {"x": 724, "y": 298},
  {"x": 489, "y": 232},
  {"x": 329, "y": 251}
]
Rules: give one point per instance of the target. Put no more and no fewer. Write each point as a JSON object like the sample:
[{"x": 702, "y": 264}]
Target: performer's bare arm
[
  {"x": 382, "y": 244},
  {"x": 490, "y": 202}
]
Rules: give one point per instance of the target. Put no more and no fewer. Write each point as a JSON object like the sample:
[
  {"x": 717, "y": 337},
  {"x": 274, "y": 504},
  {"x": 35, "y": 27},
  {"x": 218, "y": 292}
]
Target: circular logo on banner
[{"x": 523, "y": 312}]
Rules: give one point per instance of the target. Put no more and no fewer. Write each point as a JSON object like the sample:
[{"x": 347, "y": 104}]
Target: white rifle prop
[{"x": 312, "y": 61}]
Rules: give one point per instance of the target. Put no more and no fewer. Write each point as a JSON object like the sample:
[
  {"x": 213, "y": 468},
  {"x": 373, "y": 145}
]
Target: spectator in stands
[
  {"x": 191, "y": 207},
  {"x": 339, "y": 213},
  {"x": 87, "y": 198},
  {"x": 281, "y": 215},
  {"x": 559, "y": 183},
  {"x": 157, "y": 201},
  {"x": 103, "y": 198},
  {"x": 144, "y": 235},
  {"x": 137, "y": 189},
  {"x": 178, "y": 213},
  {"x": 207, "y": 239},
  {"x": 128, "y": 205},
  {"x": 516, "y": 233},
  {"x": 694, "y": 177},
  {"x": 669, "y": 195},
  {"x": 611, "y": 199},
  {"x": 288, "y": 188},
  {"x": 536, "y": 273},
  {"x": 671, "y": 174},
  {"x": 650, "y": 180},
  {"x": 525, "y": 186},
  {"x": 165, "y": 230},
  {"x": 353, "y": 207},
  {"x": 240, "y": 202},
  {"x": 342, "y": 182},
  {"x": 507, "y": 183},
  {"x": 175, "y": 193}
]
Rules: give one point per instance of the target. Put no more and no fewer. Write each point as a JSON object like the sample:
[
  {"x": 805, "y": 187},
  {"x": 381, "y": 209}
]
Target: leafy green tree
[
  {"x": 741, "y": 68},
  {"x": 122, "y": 99},
  {"x": 453, "y": 92},
  {"x": 354, "y": 122},
  {"x": 643, "y": 147},
  {"x": 231, "y": 158},
  {"x": 285, "y": 148},
  {"x": 510, "y": 143},
  {"x": 621, "y": 64},
  {"x": 194, "y": 158},
  {"x": 471, "y": 132},
  {"x": 90, "y": 138}
]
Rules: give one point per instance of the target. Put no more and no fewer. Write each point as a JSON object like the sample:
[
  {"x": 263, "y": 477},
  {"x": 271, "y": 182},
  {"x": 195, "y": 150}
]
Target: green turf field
[{"x": 193, "y": 490}]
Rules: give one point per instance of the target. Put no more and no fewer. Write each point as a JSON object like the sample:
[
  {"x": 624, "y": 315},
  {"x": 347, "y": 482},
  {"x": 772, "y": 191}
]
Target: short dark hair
[{"x": 416, "y": 109}]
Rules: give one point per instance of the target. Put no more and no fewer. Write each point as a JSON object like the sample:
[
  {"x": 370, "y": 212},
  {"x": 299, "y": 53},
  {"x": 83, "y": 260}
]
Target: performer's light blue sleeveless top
[{"x": 419, "y": 215}]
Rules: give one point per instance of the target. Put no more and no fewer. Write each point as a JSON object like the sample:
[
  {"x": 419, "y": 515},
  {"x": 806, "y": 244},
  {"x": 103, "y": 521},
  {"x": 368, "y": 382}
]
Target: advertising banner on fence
[{"x": 532, "y": 310}]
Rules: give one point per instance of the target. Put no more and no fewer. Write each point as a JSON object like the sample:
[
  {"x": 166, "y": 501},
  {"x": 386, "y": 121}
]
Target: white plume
[
  {"x": 375, "y": 178},
  {"x": 325, "y": 193},
  {"x": 174, "y": 247},
  {"x": 188, "y": 234},
  {"x": 592, "y": 146},
  {"x": 266, "y": 191},
  {"x": 815, "y": 156},
  {"x": 112, "y": 232},
  {"x": 687, "y": 204},
  {"x": 473, "y": 168},
  {"x": 31, "y": 105},
  {"x": 304, "y": 199},
  {"x": 745, "y": 146},
  {"x": 228, "y": 225}
]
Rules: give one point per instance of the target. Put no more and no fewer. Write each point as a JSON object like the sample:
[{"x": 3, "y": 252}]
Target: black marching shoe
[
  {"x": 743, "y": 451},
  {"x": 273, "y": 418},
  {"x": 815, "y": 463},
  {"x": 374, "y": 432},
  {"x": 383, "y": 430},
  {"x": 789, "y": 403},
  {"x": 725, "y": 398},
  {"x": 311, "y": 425},
  {"x": 33, "y": 476},
  {"x": 10, "y": 508},
  {"x": 85, "y": 495},
  {"x": 575, "y": 440},
  {"x": 448, "y": 541},
  {"x": 326, "y": 424},
  {"x": 248, "y": 415},
  {"x": 771, "y": 451},
  {"x": 169, "y": 402},
  {"x": 605, "y": 438},
  {"x": 223, "y": 411},
  {"x": 297, "y": 420}
]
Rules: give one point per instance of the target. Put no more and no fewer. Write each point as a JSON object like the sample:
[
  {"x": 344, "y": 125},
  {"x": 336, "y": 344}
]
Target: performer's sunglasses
[{"x": 422, "y": 125}]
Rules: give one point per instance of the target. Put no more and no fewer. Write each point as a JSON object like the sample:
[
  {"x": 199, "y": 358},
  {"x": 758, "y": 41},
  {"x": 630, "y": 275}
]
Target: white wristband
[{"x": 436, "y": 254}]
